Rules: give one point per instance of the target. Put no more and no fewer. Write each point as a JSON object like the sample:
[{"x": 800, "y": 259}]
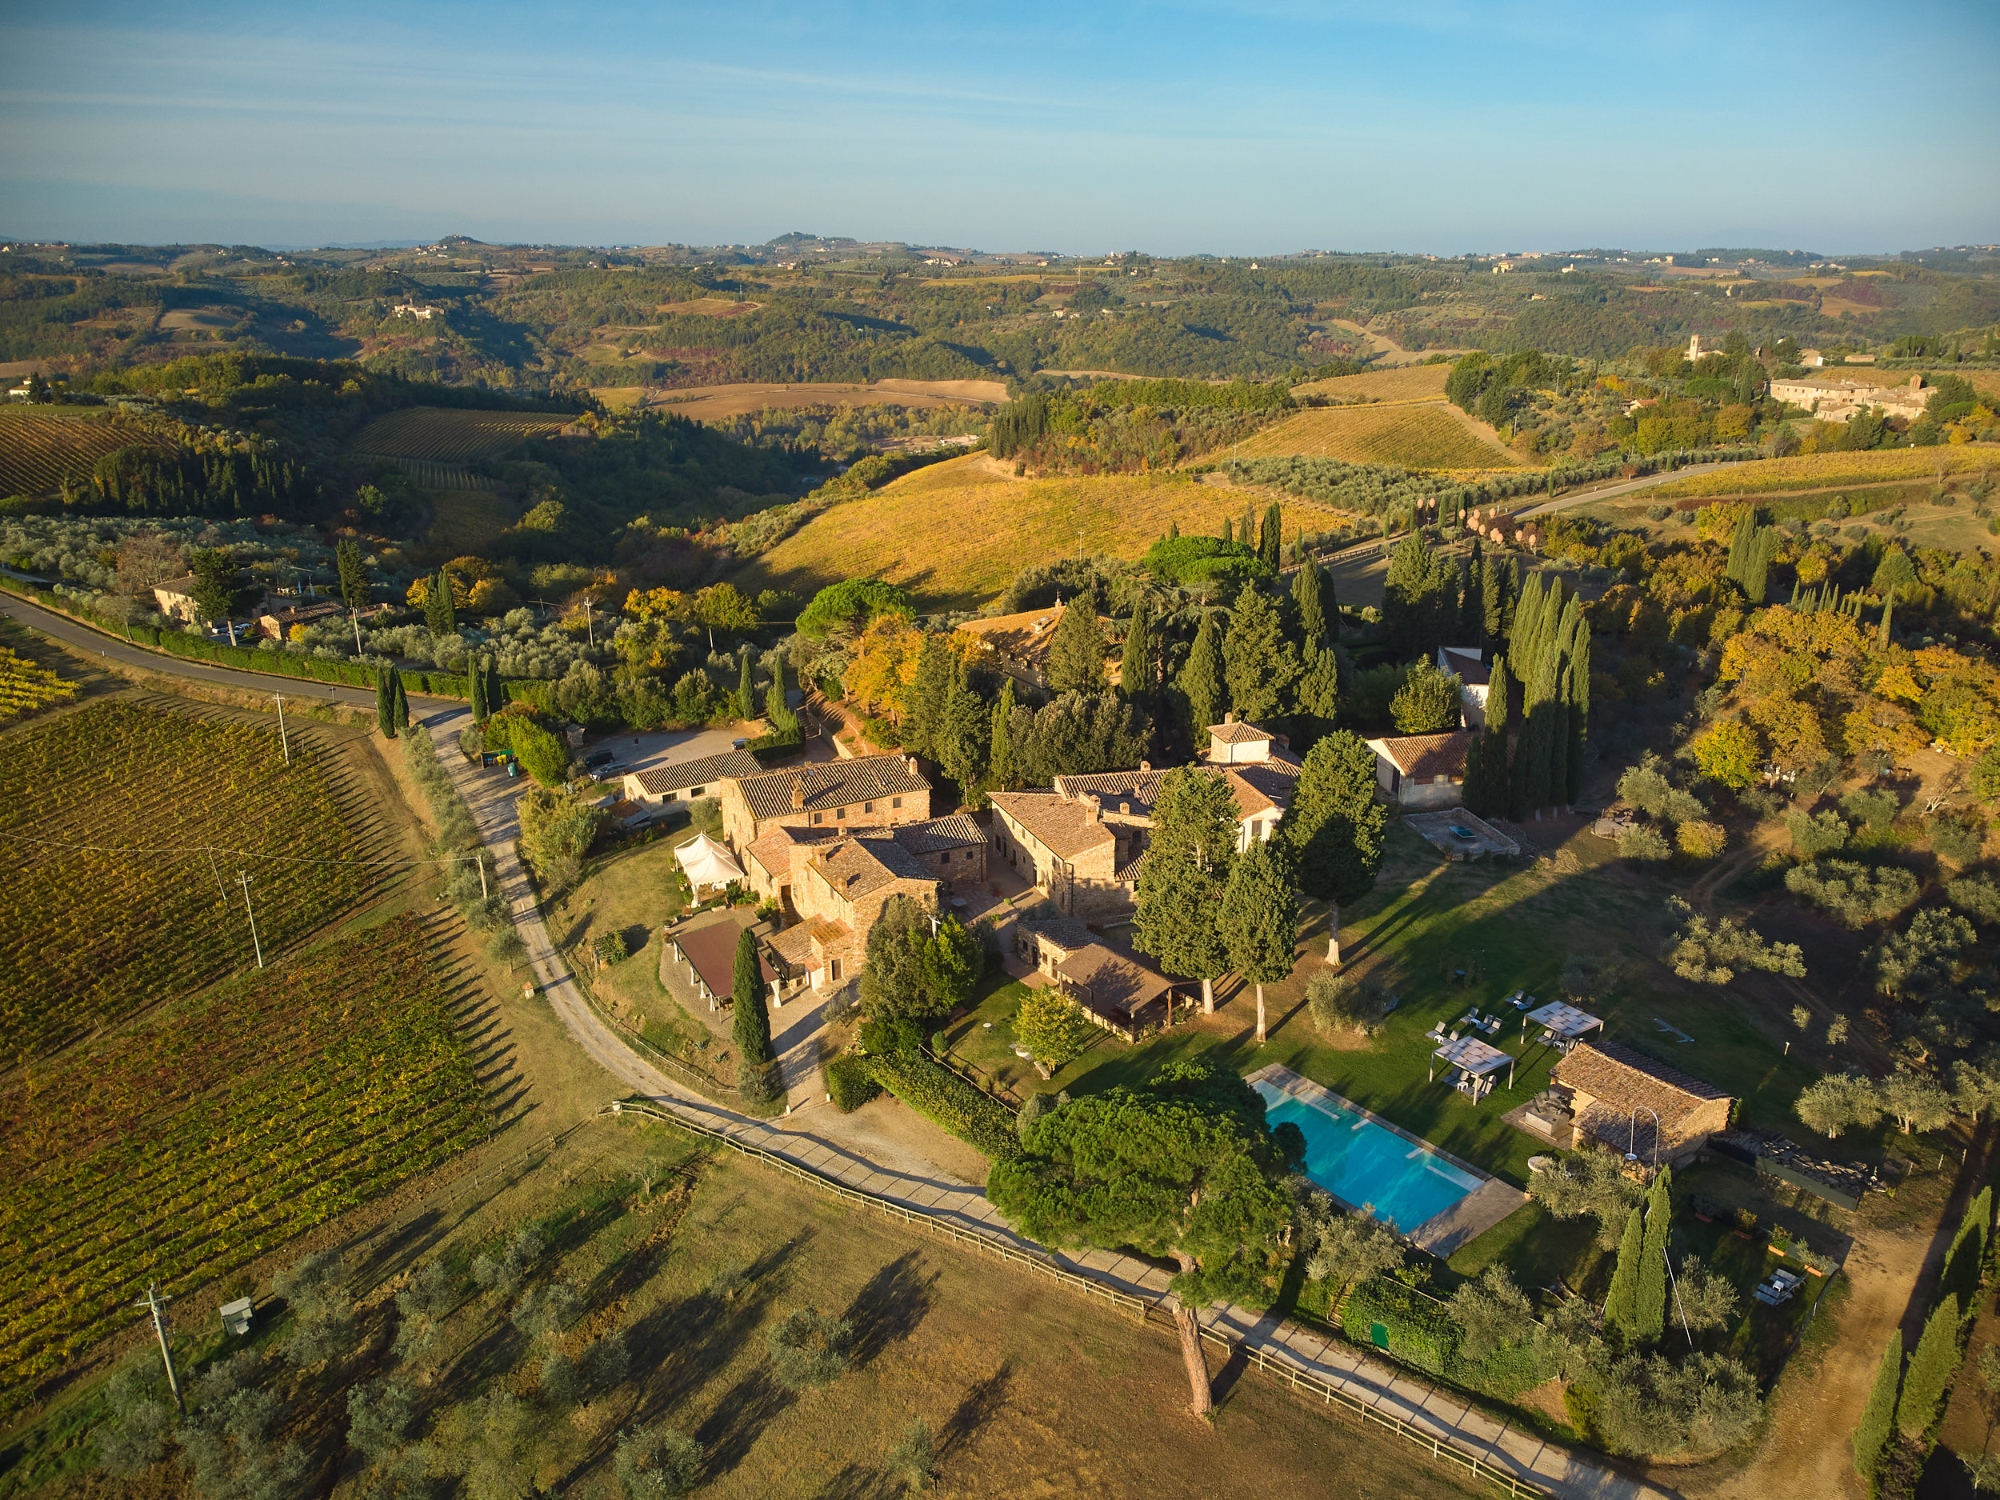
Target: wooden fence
[{"x": 1143, "y": 1310}]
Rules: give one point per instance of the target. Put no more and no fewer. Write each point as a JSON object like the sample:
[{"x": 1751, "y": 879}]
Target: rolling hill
[
  {"x": 1419, "y": 434},
  {"x": 956, "y": 532}
]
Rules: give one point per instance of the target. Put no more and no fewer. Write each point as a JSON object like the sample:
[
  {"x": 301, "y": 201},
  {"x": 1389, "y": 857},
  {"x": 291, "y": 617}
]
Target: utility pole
[
  {"x": 255, "y": 941},
  {"x": 156, "y": 1304},
  {"x": 283, "y": 742},
  {"x": 592, "y": 634},
  {"x": 479, "y": 861},
  {"x": 218, "y": 877}
]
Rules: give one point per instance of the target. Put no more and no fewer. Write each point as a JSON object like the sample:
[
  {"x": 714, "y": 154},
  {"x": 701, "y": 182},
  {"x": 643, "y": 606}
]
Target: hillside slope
[{"x": 956, "y": 532}]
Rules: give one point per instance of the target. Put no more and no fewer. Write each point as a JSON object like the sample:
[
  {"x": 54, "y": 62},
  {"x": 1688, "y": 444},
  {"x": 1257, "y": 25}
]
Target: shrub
[
  {"x": 848, "y": 1080},
  {"x": 658, "y": 1463},
  {"x": 948, "y": 1100},
  {"x": 1700, "y": 839},
  {"x": 1427, "y": 702},
  {"x": 1650, "y": 1408},
  {"x": 1642, "y": 841},
  {"x": 808, "y": 1348},
  {"x": 1339, "y": 1002},
  {"x": 1814, "y": 835},
  {"x": 1196, "y": 559},
  {"x": 610, "y": 948},
  {"x": 1053, "y": 1028}
]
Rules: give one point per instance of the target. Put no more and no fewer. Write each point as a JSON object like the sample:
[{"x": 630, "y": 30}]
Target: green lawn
[{"x": 1508, "y": 928}]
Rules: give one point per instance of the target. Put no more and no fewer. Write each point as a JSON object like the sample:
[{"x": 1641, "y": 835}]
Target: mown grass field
[
  {"x": 190, "y": 1143},
  {"x": 123, "y": 826},
  {"x": 37, "y": 448},
  {"x": 1391, "y": 383},
  {"x": 447, "y": 435},
  {"x": 956, "y": 532},
  {"x": 1417, "y": 434},
  {"x": 1827, "y": 470}
]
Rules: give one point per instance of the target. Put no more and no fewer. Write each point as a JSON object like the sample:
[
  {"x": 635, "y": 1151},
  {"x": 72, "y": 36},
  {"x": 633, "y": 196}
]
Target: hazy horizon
[{"x": 1232, "y": 130}]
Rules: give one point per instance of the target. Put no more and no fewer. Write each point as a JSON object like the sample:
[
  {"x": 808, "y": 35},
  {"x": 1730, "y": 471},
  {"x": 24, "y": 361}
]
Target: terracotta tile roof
[
  {"x": 794, "y": 945},
  {"x": 1066, "y": 828},
  {"x": 1623, "y": 1080},
  {"x": 830, "y": 784},
  {"x": 1141, "y": 789},
  {"x": 659, "y": 780},
  {"x": 773, "y": 851},
  {"x": 1112, "y": 981},
  {"x": 1025, "y": 637},
  {"x": 1238, "y": 733},
  {"x": 1260, "y": 786},
  {"x": 856, "y": 866},
  {"x": 957, "y": 831},
  {"x": 1063, "y": 932},
  {"x": 1464, "y": 660},
  {"x": 1420, "y": 757}
]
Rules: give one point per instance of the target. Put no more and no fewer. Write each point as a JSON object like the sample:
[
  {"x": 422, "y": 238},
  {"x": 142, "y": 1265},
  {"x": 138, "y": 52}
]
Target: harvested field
[
  {"x": 444, "y": 435},
  {"x": 706, "y": 403},
  {"x": 956, "y": 532},
  {"x": 37, "y": 448},
  {"x": 1411, "y": 434},
  {"x": 1395, "y": 383},
  {"x": 1832, "y": 470}
]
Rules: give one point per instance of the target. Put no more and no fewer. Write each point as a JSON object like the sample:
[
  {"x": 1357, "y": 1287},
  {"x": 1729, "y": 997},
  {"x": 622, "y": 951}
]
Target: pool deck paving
[{"x": 1445, "y": 1416}]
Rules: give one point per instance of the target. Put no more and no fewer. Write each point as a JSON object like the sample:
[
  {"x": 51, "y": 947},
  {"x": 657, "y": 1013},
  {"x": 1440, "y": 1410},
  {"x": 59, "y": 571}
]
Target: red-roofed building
[{"x": 1422, "y": 770}]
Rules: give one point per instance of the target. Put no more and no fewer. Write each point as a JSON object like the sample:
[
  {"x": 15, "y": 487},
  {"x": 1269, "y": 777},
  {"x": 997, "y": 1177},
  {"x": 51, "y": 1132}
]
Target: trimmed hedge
[
  {"x": 848, "y": 1080},
  {"x": 1420, "y": 1332},
  {"x": 946, "y": 1099}
]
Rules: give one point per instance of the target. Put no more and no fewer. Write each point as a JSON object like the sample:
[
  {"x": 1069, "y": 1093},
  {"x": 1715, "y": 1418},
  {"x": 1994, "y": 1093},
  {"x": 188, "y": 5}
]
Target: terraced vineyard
[
  {"x": 26, "y": 686},
  {"x": 444, "y": 478},
  {"x": 445, "y": 435},
  {"x": 89, "y": 936},
  {"x": 1389, "y": 383},
  {"x": 1410, "y": 435},
  {"x": 37, "y": 449},
  {"x": 186, "y": 1145}
]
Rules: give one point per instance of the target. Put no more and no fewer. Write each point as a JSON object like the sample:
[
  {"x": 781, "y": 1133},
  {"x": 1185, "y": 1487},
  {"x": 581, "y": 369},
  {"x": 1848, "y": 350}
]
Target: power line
[{"x": 214, "y": 849}]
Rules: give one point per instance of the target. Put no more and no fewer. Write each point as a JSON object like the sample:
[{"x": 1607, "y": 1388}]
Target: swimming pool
[{"x": 1402, "y": 1182}]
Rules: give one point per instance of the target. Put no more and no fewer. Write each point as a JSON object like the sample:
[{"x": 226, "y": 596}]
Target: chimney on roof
[
  {"x": 1230, "y": 717},
  {"x": 1285, "y": 741},
  {"x": 1125, "y": 808},
  {"x": 798, "y": 793},
  {"x": 1096, "y": 805},
  {"x": 910, "y": 761},
  {"x": 1145, "y": 765}
]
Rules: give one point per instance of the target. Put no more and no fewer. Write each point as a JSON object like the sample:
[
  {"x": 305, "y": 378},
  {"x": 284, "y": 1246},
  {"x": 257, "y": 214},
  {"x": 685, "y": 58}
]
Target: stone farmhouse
[
  {"x": 843, "y": 796},
  {"x": 1420, "y": 771},
  {"x": 1082, "y": 840},
  {"x": 1019, "y": 643},
  {"x": 1834, "y": 400},
  {"x": 689, "y": 779},
  {"x": 1625, "y": 1098},
  {"x": 839, "y": 890}
]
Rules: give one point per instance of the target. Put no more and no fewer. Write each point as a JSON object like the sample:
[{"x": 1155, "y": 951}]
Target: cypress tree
[
  {"x": 1336, "y": 825},
  {"x": 1879, "y": 1415},
  {"x": 1418, "y": 599},
  {"x": 746, "y": 691},
  {"x": 923, "y": 700},
  {"x": 1228, "y": 532},
  {"x": 1259, "y": 664},
  {"x": 1183, "y": 876},
  {"x": 496, "y": 690},
  {"x": 1493, "y": 599},
  {"x": 1200, "y": 682},
  {"x": 385, "y": 704},
  {"x": 1888, "y": 609},
  {"x": 1002, "y": 765},
  {"x": 1510, "y": 592},
  {"x": 1246, "y": 529},
  {"x": 962, "y": 733},
  {"x": 1931, "y": 1368},
  {"x": 1309, "y": 607},
  {"x": 475, "y": 690},
  {"x": 1472, "y": 603},
  {"x": 401, "y": 707},
  {"x": 1259, "y": 917},
  {"x": 1741, "y": 541},
  {"x": 1621, "y": 1307},
  {"x": 1650, "y": 1302},
  {"x": 1135, "y": 668},
  {"x": 1579, "y": 705},
  {"x": 1757, "y": 569},
  {"x": 1271, "y": 540},
  {"x": 1316, "y": 704},
  {"x": 750, "y": 1019},
  {"x": 1473, "y": 793},
  {"x": 1076, "y": 650}
]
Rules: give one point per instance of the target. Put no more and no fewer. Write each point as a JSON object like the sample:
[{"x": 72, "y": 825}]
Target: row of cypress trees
[
  {"x": 392, "y": 704},
  {"x": 1909, "y": 1403},
  {"x": 1519, "y": 766},
  {"x": 1752, "y": 550},
  {"x": 1637, "y": 1304}
]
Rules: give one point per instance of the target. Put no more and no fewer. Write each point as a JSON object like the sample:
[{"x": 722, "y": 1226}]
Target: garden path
[{"x": 1436, "y": 1411}]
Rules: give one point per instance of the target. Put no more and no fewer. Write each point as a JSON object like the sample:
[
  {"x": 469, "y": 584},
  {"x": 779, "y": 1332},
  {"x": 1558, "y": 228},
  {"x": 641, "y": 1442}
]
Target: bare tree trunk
[
  {"x": 1208, "y": 997},
  {"x": 1333, "y": 933},
  {"x": 355, "y": 617},
  {"x": 1260, "y": 1013},
  {"x": 1191, "y": 1351}
]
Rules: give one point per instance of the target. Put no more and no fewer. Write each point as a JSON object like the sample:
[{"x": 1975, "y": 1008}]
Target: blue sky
[{"x": 1440, "y": 127}]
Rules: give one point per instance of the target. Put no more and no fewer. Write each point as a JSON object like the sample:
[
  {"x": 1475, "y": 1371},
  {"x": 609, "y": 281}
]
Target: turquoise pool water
[{"x": 1358, "y": 1161}]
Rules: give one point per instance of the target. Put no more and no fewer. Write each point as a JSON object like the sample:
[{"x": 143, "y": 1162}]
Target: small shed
[
  {"x": 1639, "y": 1105},
  {"x": 1115, "y": 989},
  {"x": 1562, "y": 1024},
  {"x": 707, "y": 864},
  {"x": 1472, "y": 1066}
]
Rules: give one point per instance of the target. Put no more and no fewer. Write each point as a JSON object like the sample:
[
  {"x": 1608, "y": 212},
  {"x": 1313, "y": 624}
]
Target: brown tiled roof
[
  {"x": 1067, "y": 828},
  {"x": 1258, "y": 786},
  {"x": 794, "y": 946},
  {"x": 1064, "y": 932},
  {"x": 830, "y": 784},
  {"x": 1423, "y": 756},
  {"x": 658, "y": 780},
  {"x": 956, "y": 831},
  {"x": 856, "y": 866},
  {"x": 1464, "y": 660},
  {"x": 1239, "y": 733},
  {"x": 1112, "y": 980},
  {"x": 1624, "y": 1080},
  {"x": 773, "y": 851},
  {"x": 1025, "y": 637},
  {"x": 711, "y": 948},
  {"x": 1139, "y": 788}
]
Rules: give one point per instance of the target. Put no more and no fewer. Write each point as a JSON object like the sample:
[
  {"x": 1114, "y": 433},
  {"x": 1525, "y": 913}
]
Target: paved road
[{"x": 1436, "y": 1411}]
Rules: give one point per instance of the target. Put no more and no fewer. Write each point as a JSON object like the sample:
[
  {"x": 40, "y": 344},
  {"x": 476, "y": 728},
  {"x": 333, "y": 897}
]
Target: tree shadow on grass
[
  {"x": 751, "y": 1405},
  {"x": 688, "y": 1340},
  {"x": 980, "y": 1405},
  {"x": 889, "y": 1308}
]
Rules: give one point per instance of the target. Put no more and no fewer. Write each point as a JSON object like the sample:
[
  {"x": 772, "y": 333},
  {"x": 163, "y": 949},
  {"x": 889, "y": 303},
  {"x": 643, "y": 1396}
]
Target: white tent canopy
[{"x": 707, "y": 863}]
